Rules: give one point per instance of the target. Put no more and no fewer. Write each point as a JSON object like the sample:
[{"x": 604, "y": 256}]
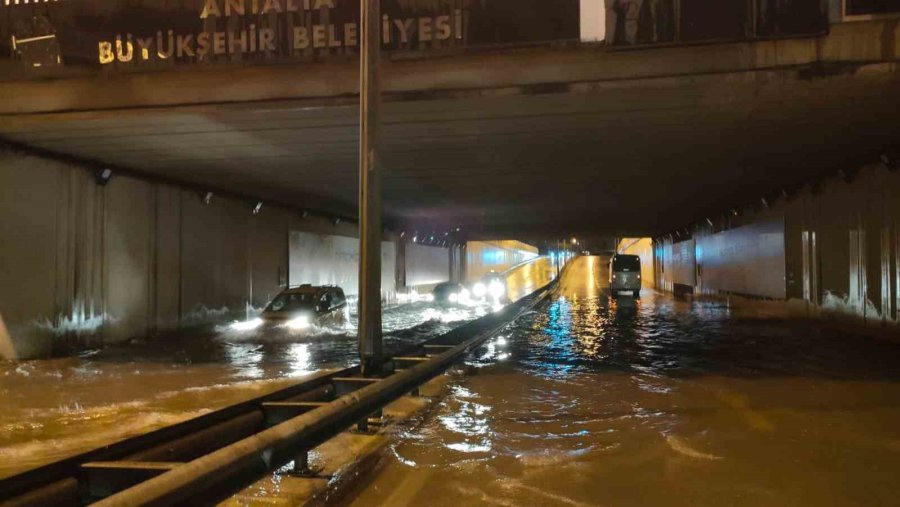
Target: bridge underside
[{"x": 624, "y": 156}]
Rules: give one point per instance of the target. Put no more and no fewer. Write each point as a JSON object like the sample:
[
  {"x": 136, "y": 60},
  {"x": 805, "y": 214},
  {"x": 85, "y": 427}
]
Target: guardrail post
[{"x": 301, "y": 463}]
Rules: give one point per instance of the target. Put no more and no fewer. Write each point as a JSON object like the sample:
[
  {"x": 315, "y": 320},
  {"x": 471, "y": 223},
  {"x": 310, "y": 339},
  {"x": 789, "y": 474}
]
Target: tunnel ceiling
[{"x": 628, "y": 157}]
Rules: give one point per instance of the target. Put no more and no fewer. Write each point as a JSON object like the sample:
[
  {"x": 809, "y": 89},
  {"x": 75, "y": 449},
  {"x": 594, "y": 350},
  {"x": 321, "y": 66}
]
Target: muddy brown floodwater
[
  {"x": 53, "y": 408},
  {"x": 659, "y": 402}
]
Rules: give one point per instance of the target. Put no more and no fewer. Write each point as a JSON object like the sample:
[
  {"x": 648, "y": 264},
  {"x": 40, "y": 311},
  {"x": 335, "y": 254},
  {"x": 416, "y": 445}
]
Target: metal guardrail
[{"x": 217, "y": 454}]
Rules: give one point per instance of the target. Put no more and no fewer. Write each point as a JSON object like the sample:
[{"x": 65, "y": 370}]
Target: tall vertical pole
[
  {"x": 370, "y": 349},
  {"x": 558, "y": 259}
]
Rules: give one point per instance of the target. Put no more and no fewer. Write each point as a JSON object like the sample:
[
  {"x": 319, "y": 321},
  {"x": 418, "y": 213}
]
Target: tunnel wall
[
  {"x": 485, "y": 256},
  {"x": 83, "y": 264},
  {"x": 829, "y": 249},
  {"x": 843, "y": 239},
  {"x": 426, "y": 265},
  {"x": 643, "y": 248},
  {"x": 746, "y": 260},
  {"x": 328, "y": 259},
  {"x": 679, "y": 266},
  {"x": 528, "y": 277}
]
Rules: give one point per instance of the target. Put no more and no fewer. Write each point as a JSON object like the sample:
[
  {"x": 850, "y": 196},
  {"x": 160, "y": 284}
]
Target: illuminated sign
[
  {"x": 26, "y": 2},
  {"x": 271, "y": 27},
  {"x": 132, "y": 35}
]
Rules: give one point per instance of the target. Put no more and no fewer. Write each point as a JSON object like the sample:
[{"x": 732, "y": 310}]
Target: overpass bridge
[{"x": 481, "y": 138}]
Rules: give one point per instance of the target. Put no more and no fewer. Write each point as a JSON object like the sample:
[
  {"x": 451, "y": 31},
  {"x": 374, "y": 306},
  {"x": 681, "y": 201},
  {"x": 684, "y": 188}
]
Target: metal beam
[
  {"x": 105, "y": 478},
  {"x": 370, "y": 347}
]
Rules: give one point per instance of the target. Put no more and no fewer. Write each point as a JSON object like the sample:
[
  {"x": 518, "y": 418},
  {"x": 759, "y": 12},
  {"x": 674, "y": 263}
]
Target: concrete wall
[
  {"x": 485, "y": 256},
  {"x": 842, "y": 242},
  {"x": 643, "y": 248},
  {"x": 426, "y": 265},
  {"x": 529, "y": 277},
  {"x": 747, "y": 260},
  {"x": 831, "y": 249},
  {"x": 83, "y": 264},
  {"x": 328, "y": 259},
  {"x": 675, "y": 263}
]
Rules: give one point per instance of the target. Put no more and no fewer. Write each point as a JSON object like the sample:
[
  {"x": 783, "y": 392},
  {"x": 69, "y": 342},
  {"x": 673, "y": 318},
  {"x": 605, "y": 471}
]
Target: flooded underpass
[
  {"x": 658, "y": 402},
  {"x": 53, "y": 408}
]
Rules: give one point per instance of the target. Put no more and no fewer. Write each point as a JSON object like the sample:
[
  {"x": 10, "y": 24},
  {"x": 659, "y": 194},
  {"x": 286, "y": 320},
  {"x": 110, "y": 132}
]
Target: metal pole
[
  {"x": 370, "y": 349},
  {"x": 558, "y": 258}
]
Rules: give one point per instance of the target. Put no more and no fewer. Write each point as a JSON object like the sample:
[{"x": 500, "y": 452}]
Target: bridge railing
[{"x": 646, "y": 22}]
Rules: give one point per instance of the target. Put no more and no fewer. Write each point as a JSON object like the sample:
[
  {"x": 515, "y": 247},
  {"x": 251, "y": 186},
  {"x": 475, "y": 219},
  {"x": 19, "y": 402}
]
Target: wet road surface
[
  {"x": 659, "y": 402},
  {"x": 53, "y": 408}
]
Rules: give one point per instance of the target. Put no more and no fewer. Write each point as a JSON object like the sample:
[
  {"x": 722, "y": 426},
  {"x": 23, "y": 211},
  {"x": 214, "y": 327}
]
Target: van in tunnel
[{"x": 625, "y": 275}]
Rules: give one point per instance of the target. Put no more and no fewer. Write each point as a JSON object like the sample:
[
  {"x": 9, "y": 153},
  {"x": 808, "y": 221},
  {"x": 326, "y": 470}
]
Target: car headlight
[
  {"x": 299, "y": 323},
  {"x": 249, "y": 325},
  {"x": 453, "y": 298},
  {"x": 479, "y": 290},
  {"x": 496, "y": 289}
]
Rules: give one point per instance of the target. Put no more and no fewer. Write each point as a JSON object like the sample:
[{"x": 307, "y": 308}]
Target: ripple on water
[{"x": 659, "y": 402}]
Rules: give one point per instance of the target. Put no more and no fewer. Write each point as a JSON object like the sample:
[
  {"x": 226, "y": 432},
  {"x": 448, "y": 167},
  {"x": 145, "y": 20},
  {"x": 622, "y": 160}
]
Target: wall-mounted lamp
[
  {"x": 304, "y": 214},
  {"x": 891, "y": 159},
  {"x": 103, "y": 176},
  {"x": 207, "y": 198},
  {"x": 336, "y": 221},
  {"x": 257, "y": 208}
]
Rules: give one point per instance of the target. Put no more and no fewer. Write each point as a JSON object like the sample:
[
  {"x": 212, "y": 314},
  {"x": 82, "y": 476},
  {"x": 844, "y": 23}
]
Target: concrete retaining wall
[
  {"x": 830, "y": 249},
  {"x": 426, "y": 265},
  {"x": 485, "y": 256},
  {"x": 83, "y": 264},
  {"x": 643, "y": 248},
  {"x": 327, "y": 259}
]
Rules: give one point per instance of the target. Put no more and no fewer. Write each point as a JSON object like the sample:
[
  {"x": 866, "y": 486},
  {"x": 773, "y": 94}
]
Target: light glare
[
  {"x": 249, "y": 325},
  {"x": 299, "y": 323},
  {"x": 496, "y": 289}
]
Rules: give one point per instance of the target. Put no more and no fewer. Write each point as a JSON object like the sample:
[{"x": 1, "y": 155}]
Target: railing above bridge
[{"x": 642, "y": 22}]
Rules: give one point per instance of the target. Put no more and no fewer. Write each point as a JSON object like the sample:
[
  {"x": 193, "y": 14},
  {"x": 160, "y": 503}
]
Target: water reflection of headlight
[
  {"x": 479, "y": 290},
  {"x": 299, "y": 323},
  {"x": 496, "y": 289},
  {"x": 249, "y": 325}
]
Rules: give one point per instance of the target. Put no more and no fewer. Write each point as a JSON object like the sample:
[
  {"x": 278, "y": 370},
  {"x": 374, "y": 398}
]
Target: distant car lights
[{"x": 496, "y": 289}]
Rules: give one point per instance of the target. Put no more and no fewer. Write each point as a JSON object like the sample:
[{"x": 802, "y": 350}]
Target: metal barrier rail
[{"x": 218, "y": 454}]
